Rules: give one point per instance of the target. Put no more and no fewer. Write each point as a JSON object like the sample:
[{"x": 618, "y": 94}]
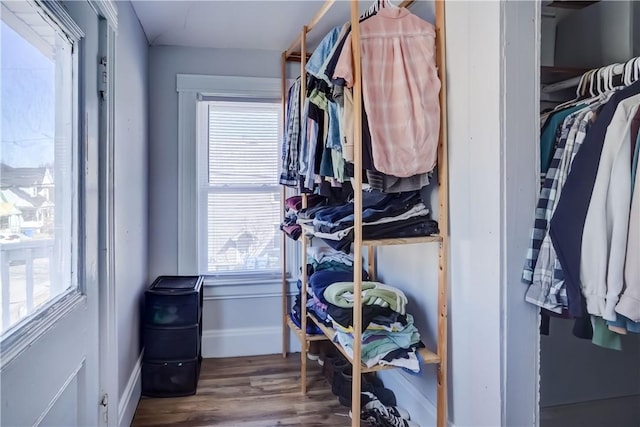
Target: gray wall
[
  {"x": 598, "y": 35},
  {"x": 164, "y": 63},
  {"x": 227, "y": 329},
  {"x": 575, "y": 370},
  {"x": 130, "y": 186}
]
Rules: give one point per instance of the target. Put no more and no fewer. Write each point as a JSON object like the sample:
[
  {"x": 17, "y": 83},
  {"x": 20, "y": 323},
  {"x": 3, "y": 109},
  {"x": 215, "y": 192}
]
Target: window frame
[
  {"x": 192, "y": 89},
  {"x": 15, "y": 339},
  {"x": 203, "y": 160}
]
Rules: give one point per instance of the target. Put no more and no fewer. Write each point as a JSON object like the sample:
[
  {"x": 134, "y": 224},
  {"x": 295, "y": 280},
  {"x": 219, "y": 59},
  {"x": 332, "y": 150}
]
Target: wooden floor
[{"x": 256, "y": 391}]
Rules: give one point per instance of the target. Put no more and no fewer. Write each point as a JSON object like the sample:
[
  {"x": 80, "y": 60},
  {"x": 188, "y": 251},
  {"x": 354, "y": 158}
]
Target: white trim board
[
  {"x": 237, "y": 342},
  {"x": 131, "y": 395}
]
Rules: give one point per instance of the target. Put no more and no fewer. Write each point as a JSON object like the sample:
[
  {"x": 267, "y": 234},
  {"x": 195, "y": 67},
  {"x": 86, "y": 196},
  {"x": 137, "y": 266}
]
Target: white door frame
[
  {"x": 109, "y": 414},
  {"x": 520, "y": 111}
]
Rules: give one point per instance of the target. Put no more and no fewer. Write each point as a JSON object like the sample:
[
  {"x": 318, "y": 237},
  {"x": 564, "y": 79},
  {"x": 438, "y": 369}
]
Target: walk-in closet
[{"x": 582, "y": 264}]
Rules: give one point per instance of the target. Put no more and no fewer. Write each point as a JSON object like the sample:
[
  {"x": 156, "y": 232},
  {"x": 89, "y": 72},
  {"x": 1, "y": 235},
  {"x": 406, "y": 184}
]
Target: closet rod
[{"x": 574, "y": 81}]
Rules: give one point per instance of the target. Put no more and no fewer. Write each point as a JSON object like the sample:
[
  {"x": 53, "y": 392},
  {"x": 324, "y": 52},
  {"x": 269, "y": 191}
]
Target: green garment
[
  {"x": 373, "y": 293},
  {"x": 603, "y": 336},
  {"x": 548, "y": 136}
]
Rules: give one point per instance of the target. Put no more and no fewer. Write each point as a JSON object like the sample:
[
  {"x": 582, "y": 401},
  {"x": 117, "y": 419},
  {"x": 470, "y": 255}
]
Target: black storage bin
[
  {"x": 174, "y": 301},
  {"x": 171, "y": 378},
  {"x": 172, "y": 333},
  {"x": 171, "y": 342}
]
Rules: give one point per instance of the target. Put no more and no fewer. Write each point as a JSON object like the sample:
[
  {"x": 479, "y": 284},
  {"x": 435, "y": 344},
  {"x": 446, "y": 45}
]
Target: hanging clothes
[
  {"x": 582, "y": 261},
  {"x": 400, "y": 90},
  {"x": 567, "y": 224}
]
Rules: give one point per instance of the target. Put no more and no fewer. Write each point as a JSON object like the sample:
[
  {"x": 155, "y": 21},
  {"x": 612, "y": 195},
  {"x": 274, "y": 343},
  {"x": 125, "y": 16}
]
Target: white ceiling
[{"x": 239, "y": 24}]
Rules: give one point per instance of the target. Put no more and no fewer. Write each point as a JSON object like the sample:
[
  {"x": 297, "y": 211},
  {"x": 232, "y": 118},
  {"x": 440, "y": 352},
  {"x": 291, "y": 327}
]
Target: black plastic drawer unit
[{"x": 172, "y": 335}]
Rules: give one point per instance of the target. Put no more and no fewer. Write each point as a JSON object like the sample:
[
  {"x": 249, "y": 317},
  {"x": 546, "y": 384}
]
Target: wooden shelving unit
[
  {"x": 439, "y": 357},
  {"x": 301, "y": 336}
]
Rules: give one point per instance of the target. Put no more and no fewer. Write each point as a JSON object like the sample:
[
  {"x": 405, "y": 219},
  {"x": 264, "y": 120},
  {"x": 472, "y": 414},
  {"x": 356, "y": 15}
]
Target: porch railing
[{"x": 23, "y": 287}]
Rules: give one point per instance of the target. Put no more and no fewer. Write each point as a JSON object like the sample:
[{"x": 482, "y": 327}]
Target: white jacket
[
  {"x": 604, "y": 238},
  {"x": 629, "y": 304}
]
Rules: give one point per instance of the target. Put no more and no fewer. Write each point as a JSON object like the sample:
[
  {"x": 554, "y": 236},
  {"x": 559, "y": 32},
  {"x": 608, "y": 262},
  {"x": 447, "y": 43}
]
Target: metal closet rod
[
  {"x": 574, "y": 81},
  {"x": 291, "y": 50}
]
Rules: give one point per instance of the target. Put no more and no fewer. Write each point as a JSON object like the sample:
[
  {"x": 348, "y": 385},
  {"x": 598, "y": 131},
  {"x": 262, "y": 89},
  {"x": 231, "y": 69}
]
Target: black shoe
[
  {"x": 380, "y": 415},
  {"x": 342, "y": 384}
]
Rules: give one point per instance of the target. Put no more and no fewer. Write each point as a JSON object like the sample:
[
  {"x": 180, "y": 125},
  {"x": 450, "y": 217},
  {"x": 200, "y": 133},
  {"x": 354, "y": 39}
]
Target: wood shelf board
[
  {"x": 550, "y": 74},
  {"x": 571, "y": 4},
  {"x": 296, "y": 56},
  {"x": 428, "y": 357},
  {"x": 400, "y": 241},
  {"x": 302, "y": 336}
]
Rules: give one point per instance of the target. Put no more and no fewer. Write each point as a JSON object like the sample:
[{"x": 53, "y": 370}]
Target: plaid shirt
[
  {"x": 547, "y": 289},
  {"x": 544, "y": 209},
  {"x": 291, "y": 139}
]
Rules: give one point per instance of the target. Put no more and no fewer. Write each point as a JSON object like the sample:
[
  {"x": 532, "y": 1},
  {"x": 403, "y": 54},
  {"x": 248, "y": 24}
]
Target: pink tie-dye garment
[{"x": 400, "y": 90}]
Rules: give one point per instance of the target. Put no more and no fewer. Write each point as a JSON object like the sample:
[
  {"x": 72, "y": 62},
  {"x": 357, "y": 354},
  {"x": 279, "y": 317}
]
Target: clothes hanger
[
  {"x": 636, "y": 73},
  {"x": 627, "y": 72},
  {"x": 580, "y": 87}
]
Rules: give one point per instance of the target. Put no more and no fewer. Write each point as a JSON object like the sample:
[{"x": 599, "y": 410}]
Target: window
[
  {"x": 38, "y": 164},
  {"x": 239, "y": 197}
]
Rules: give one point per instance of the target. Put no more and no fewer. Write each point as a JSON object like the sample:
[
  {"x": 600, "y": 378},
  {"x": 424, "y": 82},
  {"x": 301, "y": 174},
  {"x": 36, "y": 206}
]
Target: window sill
[{"x": 241, "y": 288}]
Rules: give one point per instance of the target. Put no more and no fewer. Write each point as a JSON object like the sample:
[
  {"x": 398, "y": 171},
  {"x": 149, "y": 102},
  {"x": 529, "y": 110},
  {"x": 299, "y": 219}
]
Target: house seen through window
[
  {"x": 239, "y": 198},
  {"x": 38, "y": 182}
]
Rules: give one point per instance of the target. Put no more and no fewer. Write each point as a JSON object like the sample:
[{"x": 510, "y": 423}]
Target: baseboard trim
[
  {"x": 421, "y": 408},
  {"x": 244, "y": 342},
  {"x": 131, "y": 396}
]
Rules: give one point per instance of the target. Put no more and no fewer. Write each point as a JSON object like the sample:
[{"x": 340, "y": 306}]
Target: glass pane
[
  {"x": 37, "y": 168},
  {"x": 242, "y": 232},
  {"x": 243, "y": 142}
]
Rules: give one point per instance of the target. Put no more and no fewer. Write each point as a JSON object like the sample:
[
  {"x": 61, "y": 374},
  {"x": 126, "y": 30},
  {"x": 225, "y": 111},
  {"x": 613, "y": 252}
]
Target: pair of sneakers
[{"x": 376, "y": 414}]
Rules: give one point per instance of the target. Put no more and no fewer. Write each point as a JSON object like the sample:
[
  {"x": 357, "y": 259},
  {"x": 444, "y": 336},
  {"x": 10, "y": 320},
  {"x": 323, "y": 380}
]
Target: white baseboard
[
  {"x": 422, "y": 410},
  {"x": 131, "y": 396},
  {"x": 245, "y": 342}
]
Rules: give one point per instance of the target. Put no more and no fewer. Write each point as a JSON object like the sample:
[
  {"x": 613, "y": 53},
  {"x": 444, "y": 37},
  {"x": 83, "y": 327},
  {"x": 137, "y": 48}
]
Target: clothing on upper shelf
[
  {"x": 384, "y": 216},
  {"x": 318, "y": 141},
  {"x": 582, "y": 261}
]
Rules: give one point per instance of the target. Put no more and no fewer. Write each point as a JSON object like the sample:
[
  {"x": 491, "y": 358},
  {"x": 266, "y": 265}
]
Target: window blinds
[{"x": 240, "y": 196}]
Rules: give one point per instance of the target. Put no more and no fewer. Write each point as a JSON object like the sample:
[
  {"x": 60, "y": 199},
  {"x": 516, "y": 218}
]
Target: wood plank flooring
[{"x": 255, "y": 391}]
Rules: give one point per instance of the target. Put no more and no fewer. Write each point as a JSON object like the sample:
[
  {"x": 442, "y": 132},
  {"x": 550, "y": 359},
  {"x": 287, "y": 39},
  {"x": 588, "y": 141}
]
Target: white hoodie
[
  {"x": 604, "y": 238},
  {"x": 629, "y": 304}
]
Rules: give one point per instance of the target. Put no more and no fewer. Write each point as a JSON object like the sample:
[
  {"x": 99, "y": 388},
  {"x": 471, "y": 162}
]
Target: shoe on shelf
[
  {"x": 313, "y": 351},
  {"x": 327, "y": 351},
  {"x": 373, "y": 379},
  {"x": 332, "y": 367},
  {"x": 342, "y": 383},
  {"x": 374, "y": 412}
]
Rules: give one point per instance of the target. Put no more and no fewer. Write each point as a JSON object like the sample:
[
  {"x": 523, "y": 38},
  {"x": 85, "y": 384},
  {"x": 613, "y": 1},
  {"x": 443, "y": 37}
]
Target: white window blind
[{"x": 239, "y": 200}]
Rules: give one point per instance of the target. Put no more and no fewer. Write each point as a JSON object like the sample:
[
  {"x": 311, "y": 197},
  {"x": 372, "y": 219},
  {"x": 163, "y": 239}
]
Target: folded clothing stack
[
  {"x": 389, "y": 336},
  {"x": 384, "y": 215},
  {"x": 325, "y": 266},
  {"x": 292, "y": 205}
]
